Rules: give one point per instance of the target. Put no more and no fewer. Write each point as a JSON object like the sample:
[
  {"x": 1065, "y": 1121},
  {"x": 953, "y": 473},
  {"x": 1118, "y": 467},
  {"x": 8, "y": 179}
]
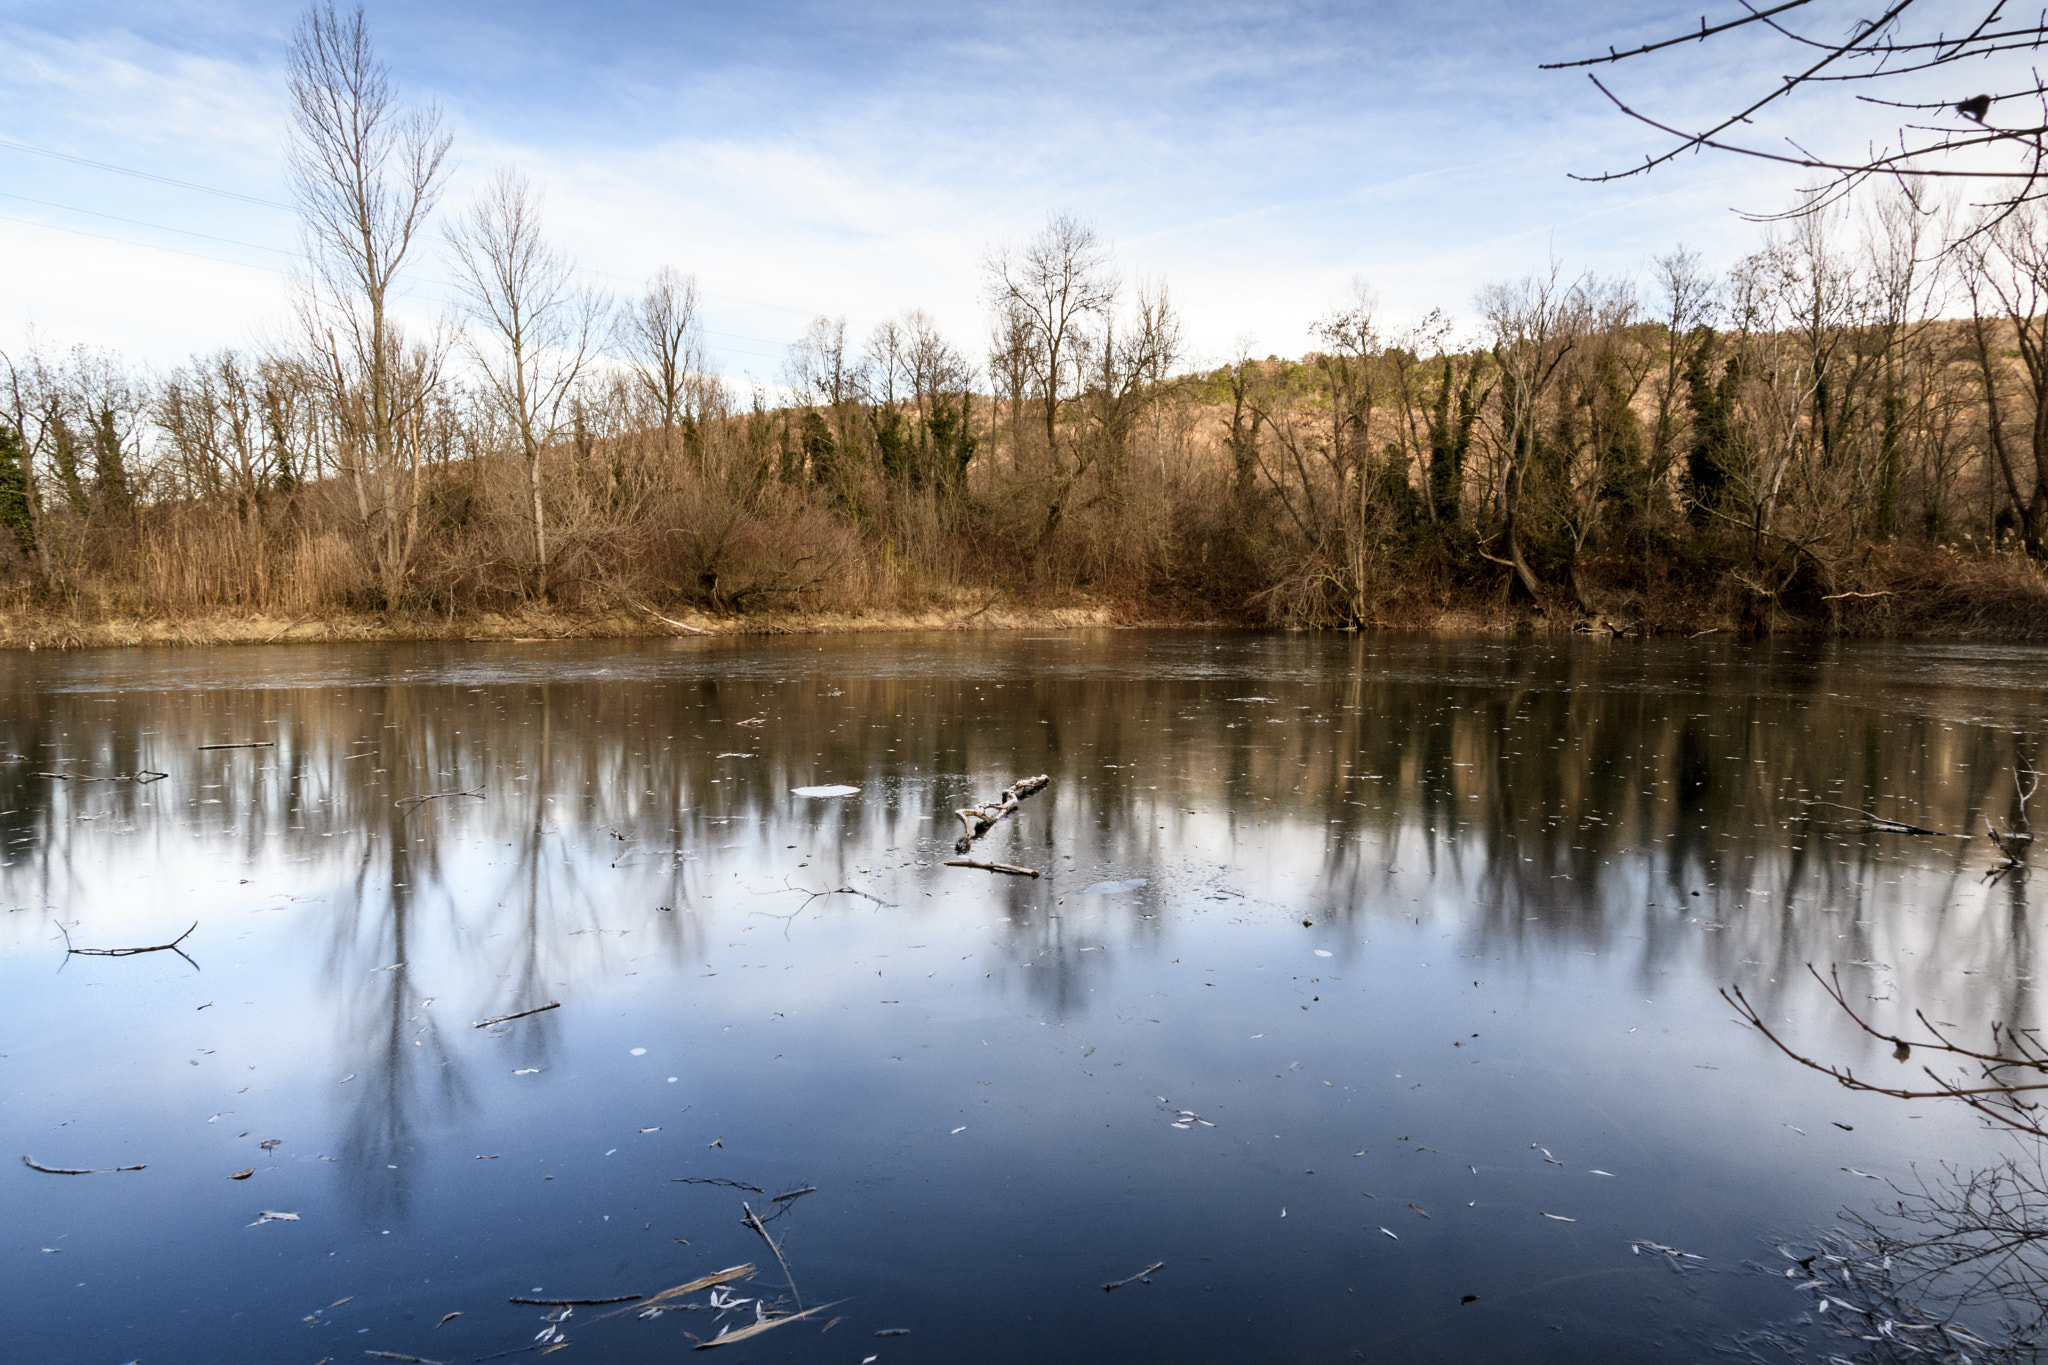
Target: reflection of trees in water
[{"x": 1569, "y": 796}]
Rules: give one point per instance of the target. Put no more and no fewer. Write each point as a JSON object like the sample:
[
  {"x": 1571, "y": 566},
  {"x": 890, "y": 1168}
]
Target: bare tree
[
  {"x": 1056, "y": 291},
  {"x": 539, "y": 331},
  {"x": 1689, "y": 301},
  {"x": 662, "y": 335},
  {"x": 1535, "y": 324},
  {"x": 2006, "y": 272},
  {"x": 367, "y": 175},
  {"x": 1971, "y": 142},
  {"x": 822, "y": 375}
]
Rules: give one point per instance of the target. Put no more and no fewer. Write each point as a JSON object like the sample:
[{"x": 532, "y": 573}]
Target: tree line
[{"x": 1848, "y": 428}]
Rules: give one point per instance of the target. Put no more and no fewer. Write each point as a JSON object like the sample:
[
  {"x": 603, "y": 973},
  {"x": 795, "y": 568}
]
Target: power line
[
  {"x": 147, "y": 246},
  {"x": 142, "y": 175},
  {"x": 138, "y": 222}
]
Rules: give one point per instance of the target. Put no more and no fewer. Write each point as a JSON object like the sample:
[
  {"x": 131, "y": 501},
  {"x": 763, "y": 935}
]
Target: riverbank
[{"x": 1987, "y": 600}]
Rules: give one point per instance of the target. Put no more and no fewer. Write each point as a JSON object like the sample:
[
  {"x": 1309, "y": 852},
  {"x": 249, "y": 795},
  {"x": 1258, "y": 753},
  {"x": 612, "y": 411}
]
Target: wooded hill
[
  {"x": 1769, "y": 452},
  {"x": 1849, "y": 432}
]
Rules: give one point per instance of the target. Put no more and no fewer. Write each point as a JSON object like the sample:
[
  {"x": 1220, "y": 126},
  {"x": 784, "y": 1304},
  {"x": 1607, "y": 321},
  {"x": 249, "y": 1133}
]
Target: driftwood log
[{"x": 981, "y": 819}]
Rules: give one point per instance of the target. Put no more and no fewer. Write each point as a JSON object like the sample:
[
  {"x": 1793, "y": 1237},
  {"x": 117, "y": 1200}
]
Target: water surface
[{"x": 1364, "y": 975}]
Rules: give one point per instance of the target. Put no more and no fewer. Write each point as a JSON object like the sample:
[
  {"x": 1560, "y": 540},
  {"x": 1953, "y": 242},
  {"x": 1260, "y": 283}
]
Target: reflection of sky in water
[{"x": 1496, "y": 846}]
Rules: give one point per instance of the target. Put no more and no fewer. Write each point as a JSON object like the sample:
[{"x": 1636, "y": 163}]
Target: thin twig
[
  {"x": 755, "y": 1329},
  {"x": 172, "y": 947},
  {"x": 1890, "y": 826},
  {"x": 810, "y": 895},
  {"x": 243, "y": 744},
  {"x": 507, "y": 1018},
  {"x": 578, "y": 1303},
  {"x": 417, "y": 801},
  {"x": 755, "y": 1220},
  {"x": 1142, "y": 1277},
  {"x": 35, "y": 1165},
  {"x": 993, "y": 867}
]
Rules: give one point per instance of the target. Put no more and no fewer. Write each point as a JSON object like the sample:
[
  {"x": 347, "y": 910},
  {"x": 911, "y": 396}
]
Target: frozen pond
[{"x": 1370, "y": 985}]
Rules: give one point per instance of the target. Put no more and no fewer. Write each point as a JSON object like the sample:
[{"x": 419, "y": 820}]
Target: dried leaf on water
[
  {"x": 272, "y": 1216},
  {"x": 448, "y": 1318},
  {"x": 1395, "y": 1235},
  {"x": 243, "y": 1175},
  {"x": 1559, "y": 1217}
]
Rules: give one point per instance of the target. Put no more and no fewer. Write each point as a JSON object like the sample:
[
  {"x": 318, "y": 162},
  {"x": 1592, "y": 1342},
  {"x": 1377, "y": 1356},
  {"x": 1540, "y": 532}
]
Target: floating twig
[
  {"x": 1886, "y": 824},
  {"x": 1142, "y": 1277},
  {"x": 755, "y": 1329},
  {"x": 35, "y": 1165},
  {"x": 652, "y": 1306},
  {"x": 142, "y": 778},
  {"x": 394, "y": 1355},
  {"x": 576, "y": 1303},
  {"x": 507, "y": 1018},
  {"x": 754, "y": 1219},
  {"x": 243, "y": 744},
  {"x": 417, "y": 801},
  {"x": 810, "y": 895},
  {"x": 795, "y": 1194},
  {"x": 714, "y": 1180},
  {"x": 171, "y": 947},
  {"x": 993, "y": 867}
]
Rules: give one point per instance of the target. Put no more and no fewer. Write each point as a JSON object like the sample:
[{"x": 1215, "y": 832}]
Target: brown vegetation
[{"x": 1804, "y": 445}]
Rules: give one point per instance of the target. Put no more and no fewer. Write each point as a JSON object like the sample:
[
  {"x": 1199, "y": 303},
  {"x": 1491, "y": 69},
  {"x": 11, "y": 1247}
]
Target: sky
[{"x": 858, "y": 160}]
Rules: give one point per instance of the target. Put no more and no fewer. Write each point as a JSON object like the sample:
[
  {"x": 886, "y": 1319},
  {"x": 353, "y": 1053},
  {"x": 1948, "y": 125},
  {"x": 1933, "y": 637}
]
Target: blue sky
[{"x": 862, "y": 159}]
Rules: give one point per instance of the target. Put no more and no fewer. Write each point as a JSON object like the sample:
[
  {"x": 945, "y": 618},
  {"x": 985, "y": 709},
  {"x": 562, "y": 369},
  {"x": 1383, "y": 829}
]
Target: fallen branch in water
[
  {"x": 143, "y": 778},
  {"x": 755, "y": 1329},
  {"x": 981, "y": 819},
  {"x": 243, "y": 744},
  {"x": 1886, "y": 825},
  {"x": 1142, "y": 1277},
  {"x": 35, "y": 1165},
  {"x": 171, "y": 947},
  {"x": 417, "y": 801},
  {"x": 754, "y": 1220},
  {"x": 810, "y": 895},
  {"x": 651, "y": 1306},
  {"x": 993, "y": 867},
  {"x": 507, "y": 1018}
]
